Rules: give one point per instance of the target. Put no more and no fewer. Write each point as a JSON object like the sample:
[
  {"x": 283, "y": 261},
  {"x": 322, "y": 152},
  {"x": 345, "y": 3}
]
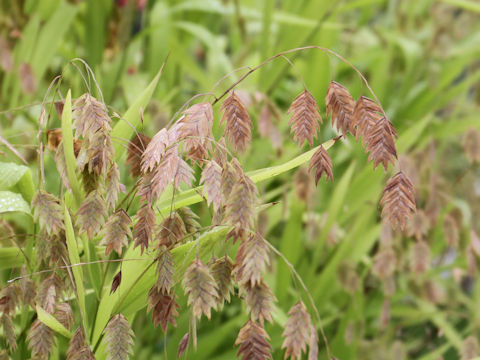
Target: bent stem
[{"x": 283, "y": 53}]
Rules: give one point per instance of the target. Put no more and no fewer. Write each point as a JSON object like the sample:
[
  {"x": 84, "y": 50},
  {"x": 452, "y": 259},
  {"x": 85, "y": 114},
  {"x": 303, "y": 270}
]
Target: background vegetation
[{"x": 422, "y": 60}]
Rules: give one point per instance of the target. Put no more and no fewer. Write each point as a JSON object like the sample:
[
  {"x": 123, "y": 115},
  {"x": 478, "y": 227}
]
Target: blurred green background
[{"x": 421, "y": 57}]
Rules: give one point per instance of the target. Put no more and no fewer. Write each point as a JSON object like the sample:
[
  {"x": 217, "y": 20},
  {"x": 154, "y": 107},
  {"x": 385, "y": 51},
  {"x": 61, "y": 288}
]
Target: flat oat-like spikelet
[
  {"x": 365, "y": 115},
  {"x": 48, "y": 212},
  {"x": 240, "y": 208},
  {"x": 259, "y": 300},
  {"x": 40, "y": 340},
  {"x": 156, "y": 148},
  {"x": 201, "y": 288},
  {"x": 10, "y": 298},
  {"x": 340, "y": 104},
  {"x": 190, "y": 219},
  {"x": 385, "y": 262},
  {"x": 136, "y": 147},
  {"x": 212, "y": 184},
  {"x": 113, "y": 186},
  {"x": 91, "y": 215},
  {"x": 77, "y": 341},
  {"x": 117, "y": 232},
  {"x": 164, "y": 308},
  {"x": 322, "y": 163},
  {"x": 297, "y": 331},
  {"x": 238, "y": 128},
  {"x": 165, "y": 271},
  {"x": 221, "y": 270},
  {"x": 64, "y": 314},
  {"x": 420, "y": 257},
  {"x": 195, "y": 127},
  {"x": 253, "y": 341},
  {"x": 9, "y": 332},
  {"x": 119, "y": 338},
  {"x": 398, "y": 200},
  {"x": 253, "y": 257},
  {"x": 381, "y": 143},
  {"x": 90, "y": 116},
  {"x": 171, "y": 170},
  {"x": 305, "y": 118},
  {"x": 172, "y": 230},
  {"x": 143, "y": 228}
]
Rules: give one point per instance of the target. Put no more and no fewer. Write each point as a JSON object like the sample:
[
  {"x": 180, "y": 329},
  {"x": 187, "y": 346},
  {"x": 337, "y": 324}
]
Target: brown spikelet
[
  {"x": 365, "y": 115},
  {"x": 305, "y": 118},
  {"x": 64, "y": 315},
  {"x": 252, "y": 258},
  {"x": 171, "y": 230},
  {"x": 119, "y": 338},
  {"x": 238, "y": 127},
  {"x": 164, "y": 308},
  {"x": 90, "y": 116},
  {"x": 28, "y": 289},
  {"x": 230, "y": 177},
  {"x": 398, "y": 201},
  {"x": 212, "y": 184},
  {"x": 297, "y": 331},
  {"x": 117, "y": 280},
  {"x": 77, "y": 341},
  {"x": 165, "y": 271},
  {"x": 40, "y": 340},
  {"x": 303, "y": 184},
  {"x": 171, "y": 170},
  {"x": 48, "y": 292},
  {"x": 156, "y": 149},
  {"x": 340, "y": 104},
  {"x": 117, "y": 232},
  {"x": 90, "y": 181},
  {"x": 183, "y": 344},
  {"x": 470, "y": 348},
  {"x": 113, "y": 186},
  {"x": 190, "y": 219},
  {"x": 313, "y": 344},
  {"x": 450, "y": 230},
  {"x": 48, "y": 212},
  {"x": 418, "y": 225},
  {"x": 253, "y": 342},
  {"x": 348, "y": 277},
  {"x": 4, "y": 353},
  {"x": 10, "y": 298},
  {"x": 195, "y": 127},
  {"x": 96, "y": 154},
  {"x": 240, "y": 207},
  {"x": 221, "y": 270},
  {"x": 220, "y": 152},
  {"x": 143, "y": 228},
  {"x": 91, "y": 215},
  {"x": 471, "y": 145},
  {"x": 26, "y": 75},
  {"x": 385, "y": 262},
  {"x": 381, "y": 143},
  {"x": 322, "y": 163},
  {"x": 6, "y": 58},
  {"x": 84, "y": 353},
  {"x": 201, "y": 288},
  {"x": 420, "y": 257},
  {"x": 9, "y": 332},
  {"x": 136, "y": 147},
  {"x": 259, "y": 300}
]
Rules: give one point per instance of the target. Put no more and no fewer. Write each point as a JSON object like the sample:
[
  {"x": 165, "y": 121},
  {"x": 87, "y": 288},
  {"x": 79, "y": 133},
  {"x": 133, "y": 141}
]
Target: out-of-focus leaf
[{"x": 11, "y": 202}]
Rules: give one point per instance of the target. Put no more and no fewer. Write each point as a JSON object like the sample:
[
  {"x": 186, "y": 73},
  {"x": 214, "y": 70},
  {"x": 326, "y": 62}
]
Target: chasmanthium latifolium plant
[{"x": 161, "y": 164}]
